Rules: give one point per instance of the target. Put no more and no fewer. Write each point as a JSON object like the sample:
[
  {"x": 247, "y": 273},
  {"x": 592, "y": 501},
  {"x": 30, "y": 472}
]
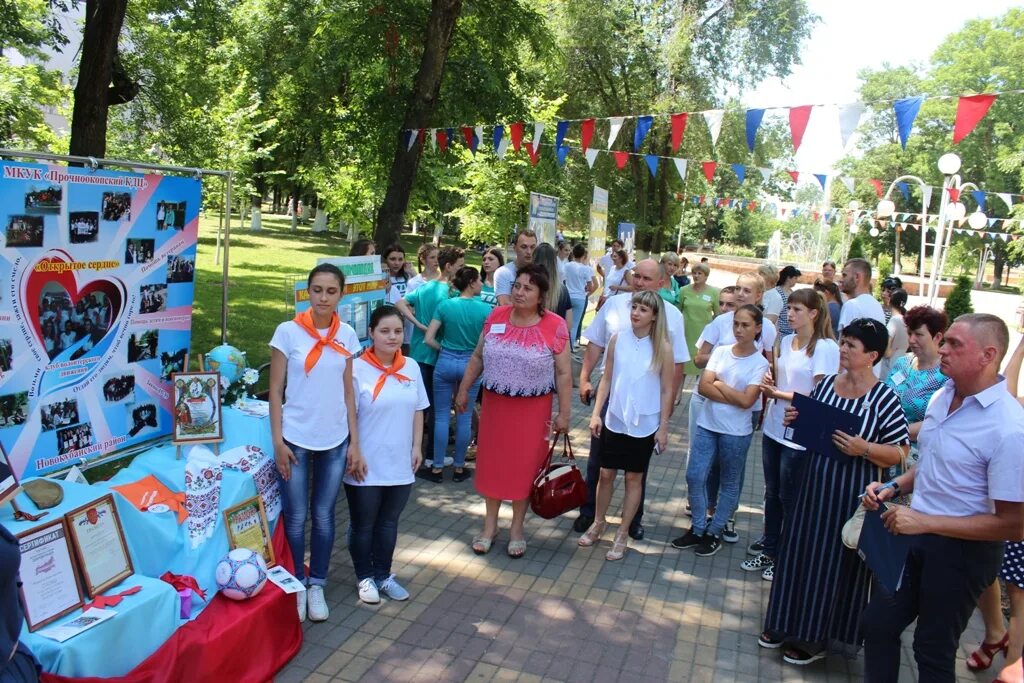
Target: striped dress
[{"x": 820, "y": 586}]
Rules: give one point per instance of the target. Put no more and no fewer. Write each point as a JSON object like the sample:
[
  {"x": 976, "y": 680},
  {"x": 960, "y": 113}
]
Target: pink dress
[{"x": 518, "y": 383}]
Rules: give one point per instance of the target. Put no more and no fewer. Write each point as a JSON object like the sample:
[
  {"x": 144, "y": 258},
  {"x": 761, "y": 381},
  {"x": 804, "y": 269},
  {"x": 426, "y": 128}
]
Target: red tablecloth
[{"x": 241, "y": 642}]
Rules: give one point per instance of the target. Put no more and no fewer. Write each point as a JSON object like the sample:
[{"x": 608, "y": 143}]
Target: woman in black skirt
[{"x": 637, "y": 384}]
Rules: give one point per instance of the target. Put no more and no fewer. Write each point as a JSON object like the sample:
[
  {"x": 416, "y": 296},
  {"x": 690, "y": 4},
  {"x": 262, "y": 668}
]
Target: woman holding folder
[{"x": 820, "y": 586}]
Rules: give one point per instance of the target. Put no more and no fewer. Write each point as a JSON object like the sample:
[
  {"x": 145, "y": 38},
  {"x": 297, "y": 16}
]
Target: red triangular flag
[
  {"x": 969, "y": 111},
  {"x": 516, "y": 131},
  {"x": 468, "y": 133},
  {"x": 752, "y": 206},
  {"x": 877, "y": 184},
  {"x": 621, "y": 158},
  {"x": 534, "y": 154},
  {"x": 782, "y": 211},
  {"x": 798, "y": 118},
  {"x": 422, "y": 135},
  {"x": 586, "y": 133},
  {"x": 709, "y": 170},
  {"x": 795, "y": 175},
  {"x": 954, "y": 194},
  {"x": 678, "y": 128},
  {"x": 442, "y": 140}
]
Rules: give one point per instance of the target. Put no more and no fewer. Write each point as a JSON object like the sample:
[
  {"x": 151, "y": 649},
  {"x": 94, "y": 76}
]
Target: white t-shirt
[
  {"x": 863, "y": 306},
  {"x": 772, "y": 302},
  {"x": 738, "y": 373},
  {"x": 616, "y": 277},
  {"x": 718, "y": 332},
  {"x": 634, "y": 402},
  {"x": 314, "y": 414},
  {"x": 796, "y": 373},
  {"x": 386, "y": 425},
  {"x": 504, "y": 278},
  {"x": 613, "y": 318},
  {"x": 577, "y": 276},
  {"x": 606, "y": 263}
]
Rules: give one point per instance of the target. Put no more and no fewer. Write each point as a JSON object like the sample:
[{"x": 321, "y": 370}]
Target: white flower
[
  {"x": 250, "y": 376},
  {"x": 224, "y": 383}
]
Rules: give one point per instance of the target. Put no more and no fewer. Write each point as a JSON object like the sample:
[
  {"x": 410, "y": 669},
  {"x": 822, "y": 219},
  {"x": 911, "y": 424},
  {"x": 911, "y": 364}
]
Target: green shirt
[
  {"x": 671, "y": 293},
  {"x": 698, "y": 310},
  {"x": 425, "y": 300},
  {"x": 488, "y": 296},
  {"x": 462, "y": 320}
]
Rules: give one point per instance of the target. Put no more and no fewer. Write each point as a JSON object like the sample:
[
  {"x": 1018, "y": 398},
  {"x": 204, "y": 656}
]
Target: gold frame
[
  {"x": 93, "y": 590},
  {"x": 175, "y": 437},
  {"x": 267, "y": 551}
]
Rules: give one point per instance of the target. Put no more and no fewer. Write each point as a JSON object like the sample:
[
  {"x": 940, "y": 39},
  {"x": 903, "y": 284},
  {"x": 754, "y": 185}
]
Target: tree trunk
[
  {"x": 998, "y": 262},
  {"x": 440, "y": 27},
  {"x": 101, "y": 83}
]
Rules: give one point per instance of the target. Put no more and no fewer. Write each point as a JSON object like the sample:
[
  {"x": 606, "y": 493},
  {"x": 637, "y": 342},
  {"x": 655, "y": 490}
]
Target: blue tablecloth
[{"x": 157, "y": 544}]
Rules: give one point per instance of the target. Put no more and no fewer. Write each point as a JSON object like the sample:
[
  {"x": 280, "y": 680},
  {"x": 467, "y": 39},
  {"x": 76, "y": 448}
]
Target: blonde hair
[
  {"x": 769, "y": 275},
  {"x": 753, "y": 276},
  {"x": 659, "y": 328},
  {"x": 670, "y": 257},
  {"x": 700, "y": 268}
]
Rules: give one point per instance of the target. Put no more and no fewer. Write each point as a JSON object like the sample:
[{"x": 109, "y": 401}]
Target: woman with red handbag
[{"x": 637, "y": 383}]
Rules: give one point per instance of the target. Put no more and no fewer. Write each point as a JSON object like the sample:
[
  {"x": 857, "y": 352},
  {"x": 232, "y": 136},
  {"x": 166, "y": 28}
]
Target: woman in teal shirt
[
  {"x": 670, "y": 293},
  {"x": 459, "y": 321},
  {"x": 492, "y": 260}
]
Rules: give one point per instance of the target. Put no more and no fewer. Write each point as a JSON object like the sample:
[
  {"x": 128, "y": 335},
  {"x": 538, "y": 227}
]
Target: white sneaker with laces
[
  {"x": 300, "y": 599},
  {"x": 316, "y": 603},
  {"x": 368, "y": 592},
  {"x": 393, "y": 589}
]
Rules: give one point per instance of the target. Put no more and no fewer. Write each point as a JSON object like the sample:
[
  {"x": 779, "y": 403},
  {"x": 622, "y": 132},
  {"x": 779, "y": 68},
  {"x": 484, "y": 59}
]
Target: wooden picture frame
[
  {"x": 48, "y": 579},
  {"x": 247, "y": 527},
  {"x": 196, "y": 408},
  {"x": 9, "y": 486},
  {"x": 100, "y": 547}
]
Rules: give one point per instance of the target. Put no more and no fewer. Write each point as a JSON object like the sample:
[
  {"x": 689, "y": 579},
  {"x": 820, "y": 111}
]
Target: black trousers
[{"x": 942, "y": 581}]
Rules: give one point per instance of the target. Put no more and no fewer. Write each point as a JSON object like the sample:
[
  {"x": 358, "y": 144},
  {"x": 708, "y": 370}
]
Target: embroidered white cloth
[
  {"x": 256, "y": 462},
  {"x": 202, "y": 494}
]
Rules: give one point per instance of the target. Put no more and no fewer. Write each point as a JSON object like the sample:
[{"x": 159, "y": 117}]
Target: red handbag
[{"x": 559, "y": 486}]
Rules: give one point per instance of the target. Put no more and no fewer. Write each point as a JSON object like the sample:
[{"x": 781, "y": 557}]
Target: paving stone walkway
[{"x": 562, "y": 613}]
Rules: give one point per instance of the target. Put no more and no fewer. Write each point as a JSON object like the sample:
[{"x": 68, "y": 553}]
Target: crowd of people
[{"x": 80, "y": 326}]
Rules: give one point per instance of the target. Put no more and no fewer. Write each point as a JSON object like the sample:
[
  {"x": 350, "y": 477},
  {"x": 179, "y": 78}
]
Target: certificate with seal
[
  {"x": 99, "y": 544},
  {"x": 49, "y": 580},
  {"x": 247, "y": 528}
]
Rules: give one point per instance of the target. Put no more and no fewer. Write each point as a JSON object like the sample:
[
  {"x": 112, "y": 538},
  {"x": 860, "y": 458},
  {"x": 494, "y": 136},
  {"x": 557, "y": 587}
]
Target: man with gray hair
[{"x": 968, "y": 499}]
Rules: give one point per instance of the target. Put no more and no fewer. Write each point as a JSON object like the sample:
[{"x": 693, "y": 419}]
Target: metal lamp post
[
  {"x": 886, "y": 208},
  {"x": 949, "y": 213}
]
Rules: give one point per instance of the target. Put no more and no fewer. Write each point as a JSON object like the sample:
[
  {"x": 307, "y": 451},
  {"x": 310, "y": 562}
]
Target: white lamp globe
[
  {"x": 854, "y": 229},
  {"x": 885, "y": 208},
  {"x": 873, "y": 232},
  {"x": 956, "y": 211},
  {"x": 949, "y": 163},
  {"x": 854, "y": 205},
  {"x": 977, "y": 220}
]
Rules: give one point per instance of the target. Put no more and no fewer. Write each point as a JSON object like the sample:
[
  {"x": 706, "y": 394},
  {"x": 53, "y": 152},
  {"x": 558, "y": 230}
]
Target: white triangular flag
[
  {"x": 847, "y": 181},
  {"x": 591, "y": 156},
  {"x": 614, "y": 126},
  {"x": 433, "y": 139},
  {"x": 502, "y": 147},
  {"x": 713, "y": 117},
  {"x": 681, "y": 167},
  {"x": 849, "y": 117},
  {"x": 1005, "y": 236},
  {"x": 538, "y": 130},
  {"x": 479, "y": 135},
  {"x": 1007, "y": 199},
  {"x": 413, "y": 134},
  {"x": 766, "y": 173},
  {"x": 926, "y": 195}
]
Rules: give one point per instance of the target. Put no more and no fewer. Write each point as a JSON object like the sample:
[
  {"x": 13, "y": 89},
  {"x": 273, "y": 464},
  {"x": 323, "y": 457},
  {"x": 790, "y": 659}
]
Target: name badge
[
  {"x": 898, "y": 378},
  {"x": 706, "y": 297},
  {"x": 499, "y": 328}
]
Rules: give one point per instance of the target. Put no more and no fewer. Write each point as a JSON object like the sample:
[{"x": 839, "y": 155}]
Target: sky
[{"x": 853, "y": 35}]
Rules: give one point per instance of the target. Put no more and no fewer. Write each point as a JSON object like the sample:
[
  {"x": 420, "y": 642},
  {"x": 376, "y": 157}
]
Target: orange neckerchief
[
  {"x": 305, "y": 321},
  {"x": 397, "y": 364}
]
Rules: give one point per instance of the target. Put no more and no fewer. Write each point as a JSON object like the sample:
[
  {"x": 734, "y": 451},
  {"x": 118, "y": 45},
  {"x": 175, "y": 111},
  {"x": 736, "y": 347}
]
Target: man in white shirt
[
  {"x": 504, "y": 277},
  {"x": 612, "y": 319},
  {"x": 856, "y": 285},
  {"x": 968, "y": 499}
]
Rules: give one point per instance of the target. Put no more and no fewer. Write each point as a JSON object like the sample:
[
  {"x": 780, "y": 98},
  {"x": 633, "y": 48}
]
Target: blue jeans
[
  {"x": 731, "y": 454},
  {"x": 451, "y": 366},
  {"x": 328, "y": 468},
  {"x": 579, "y": 308},
  {"x": 783, "y": 477},
  {"x": 373, "y": 531},
  {"x": 696, "y": 406}
]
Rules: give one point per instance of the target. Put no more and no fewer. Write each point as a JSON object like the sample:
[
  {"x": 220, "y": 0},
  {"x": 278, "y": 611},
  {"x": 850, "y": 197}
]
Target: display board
[
  {"x": 627, "y": 234},
  {"x": 544, "y": 217},
  {"x": 365, "y": 290},
  {"x": 598, "y": 235},
  {"x": 97, "y": 274}
]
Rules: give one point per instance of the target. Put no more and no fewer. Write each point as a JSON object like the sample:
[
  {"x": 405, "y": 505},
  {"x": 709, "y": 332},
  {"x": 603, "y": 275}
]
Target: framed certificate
[
  {"x": 96, "y": 535},
  {"x": 49, "y": 580},
  {"x": 8, "y": 482},
  {"x": 247, "y": 528},
  {"x": 196, "y": 407}
]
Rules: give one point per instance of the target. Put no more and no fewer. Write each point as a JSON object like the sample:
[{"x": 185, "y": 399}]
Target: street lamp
[{"x": 949, "y": 214}]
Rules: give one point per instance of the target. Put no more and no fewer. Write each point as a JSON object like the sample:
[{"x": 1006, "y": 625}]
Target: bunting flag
[
  {"x": 877, "y": 184},
  {"x": 713, "y": 117},
  {"x": 502, "y": 147},
  {"x": 620, "y": 158},
  {"x": 586, "y": 134},
  {"x": 497, "y": 137},
  {"x": 560, "y": 130},
  {"x": 906, "y": 111},
  {"x": 795, "y": 175},
  {"x": 652, "y": 163},
  {"x": 538, "y": 130},
  {"x": 516, "y": 131},
  {"x": 643, "y": 125},
  {"x": 531, "y": 150},
  {"x": 470, "y": 137},
  {"x": 979, "y": 197},
  {"x": 681, "y": 167},
  {"x": 740, "y": 170},
  {"x": 798, "y": 118},
  {"x": 848, "y": 182},
  {"x": 591, "y": 155},
  {"x": 926, "y": 196},
  {"x": 479, "y": 135},
  {"x": 969, "y": 111},
  {"x": 410, "y": 138},
  {"x": 614, "y": 126},
  {"x": 678, "y": 128},
  {"x": 562, "y": 152},
  {"x": 766, "y": 173},
  {"x": 822, "y": 178},
  {"x": 709, "y": 170},
  {"x": 754, "y": 117},
  {"x": 442, "y": 140},
  {"x": 954, "y": 194},
  {"x": 904, "y": 190},
  {"x": 1006, "y": 199},
  {"x": 849, "y": 118},
  {"x": 433, "y": 139}
]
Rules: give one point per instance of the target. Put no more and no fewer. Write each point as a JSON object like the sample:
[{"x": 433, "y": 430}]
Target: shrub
[
  {"x": 856, "y": 249},
  {"x": 959, "y": 300}
]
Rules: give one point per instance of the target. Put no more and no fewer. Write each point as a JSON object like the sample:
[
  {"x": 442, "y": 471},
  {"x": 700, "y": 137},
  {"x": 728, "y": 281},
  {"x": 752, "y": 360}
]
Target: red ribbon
[
  {"x": 183, "y": 581},
  {"x": 105, "y": 601}
]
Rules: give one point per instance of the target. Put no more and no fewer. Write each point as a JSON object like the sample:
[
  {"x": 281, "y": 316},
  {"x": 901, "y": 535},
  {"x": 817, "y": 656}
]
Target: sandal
[
  {"x": 769, "y": 641},
  {"x": 802, "y": 657},
  {"x": 619, "y": 546},
  {"x": 990, "y": 650},
  {"x": 482, "y": 544},
  {"x": 516, "y": 549},
  {"x": 592, "y": 535}
]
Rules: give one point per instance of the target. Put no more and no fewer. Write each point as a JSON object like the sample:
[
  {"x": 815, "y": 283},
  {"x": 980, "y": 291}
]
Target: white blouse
[{"x": 634, "y": 402}]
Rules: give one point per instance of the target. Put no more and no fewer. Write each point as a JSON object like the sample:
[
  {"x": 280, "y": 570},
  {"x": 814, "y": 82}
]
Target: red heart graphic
[{"x": 54, "y": 269}]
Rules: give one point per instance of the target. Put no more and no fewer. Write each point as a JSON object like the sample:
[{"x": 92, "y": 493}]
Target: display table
[{"x": 147, "y": 640}]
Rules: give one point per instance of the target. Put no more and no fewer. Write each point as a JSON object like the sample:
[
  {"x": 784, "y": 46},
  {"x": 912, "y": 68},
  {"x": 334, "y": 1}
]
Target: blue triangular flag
[
  {"x": 652, "y": 163},
  {"x": 979, "y": 197},
  {"x": 563, "y": 152},
  {"x": 754, "y": 117},
  {"x": 696, "y": 200},
  {"x": 499, "y": 133},
  {"x": 904, "y": 189},
  {"x": 560, "y": 131},
  {"x": 407, "y": 138},
  {"x": 643, "y": 125},
  {"x": 906, "y": 111},
  {"x": 739, "y": 169},
  {"x": 451, "y": 136},
  {"x": 821, "y": 179}
]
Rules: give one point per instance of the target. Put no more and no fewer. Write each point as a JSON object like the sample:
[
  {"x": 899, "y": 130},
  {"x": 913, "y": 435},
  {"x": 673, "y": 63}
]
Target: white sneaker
[
  {"x": 300, "y": 599},
  {"x": 317, "y": 604},
  {"x": 368, "y": 592},
  {"x": 393, "y": 589}
]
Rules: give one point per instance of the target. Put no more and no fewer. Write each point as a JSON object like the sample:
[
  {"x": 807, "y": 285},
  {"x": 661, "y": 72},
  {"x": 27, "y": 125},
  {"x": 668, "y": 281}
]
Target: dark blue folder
[
  {"x": 815, "y": 423},
  {"x": 883, "y": 552}
]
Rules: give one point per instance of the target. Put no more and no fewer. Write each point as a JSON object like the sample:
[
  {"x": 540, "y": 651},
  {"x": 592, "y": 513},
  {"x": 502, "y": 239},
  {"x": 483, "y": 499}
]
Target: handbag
[
  {"x": 852, "y": 528},
  {"x": 559, "y": 486}
]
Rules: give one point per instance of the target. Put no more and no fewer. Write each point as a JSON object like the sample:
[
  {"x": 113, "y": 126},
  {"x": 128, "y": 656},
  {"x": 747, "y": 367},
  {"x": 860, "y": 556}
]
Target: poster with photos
[{"x": 96, "y": 292}]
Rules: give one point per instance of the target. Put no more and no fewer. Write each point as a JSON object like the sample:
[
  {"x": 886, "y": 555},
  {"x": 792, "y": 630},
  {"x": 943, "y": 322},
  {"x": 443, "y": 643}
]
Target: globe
[{"x": 227, "y": 360}]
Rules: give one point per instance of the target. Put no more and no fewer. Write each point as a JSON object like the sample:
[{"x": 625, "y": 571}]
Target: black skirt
[{"x": 624, "y": 452}]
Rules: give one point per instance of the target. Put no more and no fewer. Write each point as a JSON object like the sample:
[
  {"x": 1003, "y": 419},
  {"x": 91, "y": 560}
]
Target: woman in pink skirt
[{"x": 523, "y": 354}]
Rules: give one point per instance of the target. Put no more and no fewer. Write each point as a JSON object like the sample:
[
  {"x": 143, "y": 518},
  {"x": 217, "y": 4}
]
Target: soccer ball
[{"x": 241, "y": 574}]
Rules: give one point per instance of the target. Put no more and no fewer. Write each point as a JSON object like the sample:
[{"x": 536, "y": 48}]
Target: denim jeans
[
  {"x": 579, "y": 309},
  {"x": 594, "y": 476},
  {"x": 731, "y": 453},
  {"x": 427, "y": 372},
  {"x": 696, "y": 406},
  {"x": 783, "y": 476},
  {"x": 451, "y": 366},
  {"x": 327, "y": 468},
  {"x": 373, "y": 530}
]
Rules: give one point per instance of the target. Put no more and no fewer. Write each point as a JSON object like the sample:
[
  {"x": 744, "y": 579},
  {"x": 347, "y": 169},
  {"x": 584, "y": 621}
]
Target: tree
[{"x": 959, "y": 300}]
